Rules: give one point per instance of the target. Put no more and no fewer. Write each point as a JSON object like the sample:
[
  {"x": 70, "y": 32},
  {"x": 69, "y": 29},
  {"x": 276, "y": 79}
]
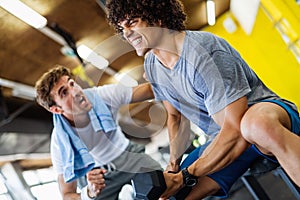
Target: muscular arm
[
  {"x": 227, "y": 145},
  {"x": 142, "y": 92},
  {"x": 68, "y": 190},
  {"x": 225, "y": 148},
  {"x": 179, "y": 135}
]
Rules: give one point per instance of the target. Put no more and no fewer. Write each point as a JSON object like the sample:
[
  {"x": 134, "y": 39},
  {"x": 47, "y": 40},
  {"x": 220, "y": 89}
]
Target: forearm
[
  {"x": 71, "y": 196},
  {"x": 85, "y": 194},
  {"x": 68, "y": 190},
  {"x": 220, "y": 153},
  {"x": 228, "y": 144},
  {"x": 179, "y": 136},
  {"x": 142, "y": 92}
]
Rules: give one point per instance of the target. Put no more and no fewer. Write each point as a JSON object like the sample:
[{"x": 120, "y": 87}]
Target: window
[
  {"x": 41, "y": 182},
  {"x": 4, "y": 194}
]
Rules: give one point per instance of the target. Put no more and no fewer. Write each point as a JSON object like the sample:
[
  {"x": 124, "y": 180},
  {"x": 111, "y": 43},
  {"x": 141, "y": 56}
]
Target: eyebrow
[
  {"x": 60, "y": 89},
  {"x": 127, "y": 20}
]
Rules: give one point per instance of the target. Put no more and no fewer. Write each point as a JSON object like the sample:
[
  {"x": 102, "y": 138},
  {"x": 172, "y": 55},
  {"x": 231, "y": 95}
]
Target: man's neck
[
  {"x": 79, "y": 121},
  {"x": 170, "y": 49}
]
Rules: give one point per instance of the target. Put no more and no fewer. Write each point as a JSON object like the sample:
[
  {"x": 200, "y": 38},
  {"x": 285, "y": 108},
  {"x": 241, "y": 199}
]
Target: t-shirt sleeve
[
  {"x": 157, "y": 92},
  {"x": 55, "y": 155},
  {"x": 222, "y": 81},
  {"x": 115, "y": 95}
]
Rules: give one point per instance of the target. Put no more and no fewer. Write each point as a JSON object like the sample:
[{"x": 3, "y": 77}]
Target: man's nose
[
  {"x": 127, "y": 32},
  {"x": 74, "y": 91}
]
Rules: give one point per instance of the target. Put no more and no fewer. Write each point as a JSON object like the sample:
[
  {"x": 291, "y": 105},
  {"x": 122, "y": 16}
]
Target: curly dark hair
[
  {"x": 169, "y": 12},
  {"x": 45, "y": 84}
]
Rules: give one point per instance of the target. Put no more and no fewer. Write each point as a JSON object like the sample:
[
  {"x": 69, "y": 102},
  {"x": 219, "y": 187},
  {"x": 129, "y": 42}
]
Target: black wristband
[{"x": 188, "y": 179}]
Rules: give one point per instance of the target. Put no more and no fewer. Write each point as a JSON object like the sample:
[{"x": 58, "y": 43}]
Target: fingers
[
  {"x": 94, "y": 189},
  {"x": 96, "y": 181},
  {"x": 96, "y": 176},
  {"x": 98, "y": 171}
]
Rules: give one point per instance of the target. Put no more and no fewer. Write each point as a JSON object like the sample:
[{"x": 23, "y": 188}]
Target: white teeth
[
  {"x": 81, "y": 100},
  {"x": 136, "y": 42}
]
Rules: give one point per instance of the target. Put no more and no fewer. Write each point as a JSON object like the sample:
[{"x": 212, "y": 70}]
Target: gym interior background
[{"x": 265, "y": 32}]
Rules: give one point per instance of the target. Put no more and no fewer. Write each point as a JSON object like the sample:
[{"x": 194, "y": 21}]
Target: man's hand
[
  {"x": 174, "y": 182},
  {"x": 96, "y": 182}
]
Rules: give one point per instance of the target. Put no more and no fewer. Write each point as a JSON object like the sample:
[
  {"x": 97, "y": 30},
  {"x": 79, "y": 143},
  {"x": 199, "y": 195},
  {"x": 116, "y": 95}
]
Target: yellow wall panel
[{"x": 267, "y": 54}]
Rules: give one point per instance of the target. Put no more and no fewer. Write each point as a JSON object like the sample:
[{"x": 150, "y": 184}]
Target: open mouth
[
  {"x": 136, "y": 42},
  {"x": 82, "y": 100}
]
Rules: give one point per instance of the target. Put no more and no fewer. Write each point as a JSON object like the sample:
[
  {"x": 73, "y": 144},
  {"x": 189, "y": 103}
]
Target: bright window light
[
  {"x": 39, "y": 191},
  {"x": 5, "y": 197},
  {"x": 89, "y": 55},
  {"x": 19, "y": 89},
  {"x": 41, "y": 182},
  {"x": 211, "y": 12},
  {"x": 3, "y": 188},
  {"x": 31, "y": 177},
  {"x": 23, "y": 12},
  {"x": 125, "y": 79},
  {"x": 245, "y": 12}
]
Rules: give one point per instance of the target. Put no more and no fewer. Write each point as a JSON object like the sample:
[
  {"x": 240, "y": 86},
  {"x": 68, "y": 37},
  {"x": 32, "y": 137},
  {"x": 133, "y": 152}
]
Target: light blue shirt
[{"x": 208, "y": 76}]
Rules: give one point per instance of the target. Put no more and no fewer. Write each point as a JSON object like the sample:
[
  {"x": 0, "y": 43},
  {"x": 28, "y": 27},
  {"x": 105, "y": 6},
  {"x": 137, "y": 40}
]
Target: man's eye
[
  {"x": 132, "y": 22},
  {"x": 120, "y": 29},
  {"x": 64, "y": 93}
]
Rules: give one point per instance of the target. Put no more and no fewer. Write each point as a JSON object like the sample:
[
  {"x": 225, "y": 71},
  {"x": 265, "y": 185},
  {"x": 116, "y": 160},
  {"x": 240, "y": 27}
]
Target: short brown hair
[
  {"x": 45, "y": 84},
  {"x": 169, "y": 12}
]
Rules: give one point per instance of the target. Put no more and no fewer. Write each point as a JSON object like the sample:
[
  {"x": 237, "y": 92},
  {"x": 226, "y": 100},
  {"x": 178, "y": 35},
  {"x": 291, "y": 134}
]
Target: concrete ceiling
[{"x": 26, "y": 53}]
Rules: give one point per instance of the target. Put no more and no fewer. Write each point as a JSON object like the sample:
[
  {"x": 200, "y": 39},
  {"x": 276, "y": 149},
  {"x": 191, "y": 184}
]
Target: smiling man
[
  {"x": 86, "y": 139},
  {"x": 202, "y": 78}
]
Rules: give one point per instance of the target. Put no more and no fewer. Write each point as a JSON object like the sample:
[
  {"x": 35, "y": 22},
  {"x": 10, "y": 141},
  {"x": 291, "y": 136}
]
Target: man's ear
[{"x": 56, "y": 109}]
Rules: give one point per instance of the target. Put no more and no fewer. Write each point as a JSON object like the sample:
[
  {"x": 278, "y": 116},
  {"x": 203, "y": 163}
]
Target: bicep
[
  {"x": 229, "y": 143},
  {"x": 230, "y": 117}
]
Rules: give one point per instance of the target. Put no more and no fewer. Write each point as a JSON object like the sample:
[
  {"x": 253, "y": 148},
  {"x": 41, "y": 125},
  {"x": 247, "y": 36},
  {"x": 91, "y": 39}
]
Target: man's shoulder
[
  {"x": 113, "y": 94},
  {"x": 102, "y": 87},
  {"x": 191, "y": 33},
  {"x": 100, "y": 90}
]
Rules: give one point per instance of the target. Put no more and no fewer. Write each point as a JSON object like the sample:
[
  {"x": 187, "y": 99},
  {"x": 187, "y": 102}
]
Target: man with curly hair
[
  {"x": 86, "y": 139},
  {"x": 203, "y": 79}
]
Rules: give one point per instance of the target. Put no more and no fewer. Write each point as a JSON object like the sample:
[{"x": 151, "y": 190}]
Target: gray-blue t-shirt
[{"x": 209, "y": 75}]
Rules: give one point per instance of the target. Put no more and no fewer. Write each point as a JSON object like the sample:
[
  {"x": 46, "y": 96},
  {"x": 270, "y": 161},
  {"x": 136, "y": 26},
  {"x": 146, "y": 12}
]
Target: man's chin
[
  {"x": 141, "y": 52},
  {"x": 89, "y": 107}
]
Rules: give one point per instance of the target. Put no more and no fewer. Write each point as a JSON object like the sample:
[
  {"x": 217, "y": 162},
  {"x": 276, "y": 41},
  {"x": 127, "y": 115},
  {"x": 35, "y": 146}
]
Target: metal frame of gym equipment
[{"x": 257, "y": 191}]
